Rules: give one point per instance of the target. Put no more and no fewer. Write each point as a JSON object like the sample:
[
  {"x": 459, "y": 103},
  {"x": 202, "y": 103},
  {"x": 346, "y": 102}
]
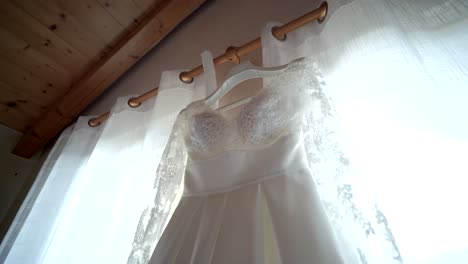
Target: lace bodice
[{"x": 274, "y": 111}]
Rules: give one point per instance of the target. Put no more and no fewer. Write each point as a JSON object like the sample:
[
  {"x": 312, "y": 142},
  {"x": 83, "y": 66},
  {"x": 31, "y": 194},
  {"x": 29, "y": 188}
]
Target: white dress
[{"x": 249, "y": 196}]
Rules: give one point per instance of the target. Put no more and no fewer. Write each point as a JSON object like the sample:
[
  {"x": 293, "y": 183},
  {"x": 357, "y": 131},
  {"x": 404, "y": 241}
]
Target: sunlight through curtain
[
  {"x": 389, "y": 148},
  {"x": 386, "y": 140},
  {"x": 88, "y": 199}
]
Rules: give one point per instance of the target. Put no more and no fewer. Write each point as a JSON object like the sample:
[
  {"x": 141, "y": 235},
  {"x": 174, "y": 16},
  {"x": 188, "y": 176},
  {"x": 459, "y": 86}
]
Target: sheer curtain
[
  {"x": 88, "y": 201},
  {"x": 387, "y": 139}
]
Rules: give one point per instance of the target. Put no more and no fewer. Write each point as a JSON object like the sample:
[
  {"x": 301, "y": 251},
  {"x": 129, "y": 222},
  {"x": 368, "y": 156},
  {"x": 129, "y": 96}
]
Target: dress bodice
[{"x": 271, "y": 113}]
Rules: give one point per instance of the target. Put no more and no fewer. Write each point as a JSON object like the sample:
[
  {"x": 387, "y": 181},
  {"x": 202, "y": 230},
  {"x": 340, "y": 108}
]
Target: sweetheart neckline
[{"x": 271, "y": 112}]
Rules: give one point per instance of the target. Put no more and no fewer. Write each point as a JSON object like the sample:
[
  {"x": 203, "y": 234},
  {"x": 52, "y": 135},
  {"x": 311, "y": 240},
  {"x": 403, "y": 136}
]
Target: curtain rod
[{"x": 232, "y": 54}]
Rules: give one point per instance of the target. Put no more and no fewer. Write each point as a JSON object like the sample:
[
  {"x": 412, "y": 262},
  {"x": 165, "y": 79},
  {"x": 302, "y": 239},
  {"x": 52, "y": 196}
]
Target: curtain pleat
[{"x": 89, "y": 200}]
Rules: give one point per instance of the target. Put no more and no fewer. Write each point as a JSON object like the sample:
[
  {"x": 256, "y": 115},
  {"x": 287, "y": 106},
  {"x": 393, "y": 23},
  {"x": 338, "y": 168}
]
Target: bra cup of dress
[
  {"x": 263, "y": 118},
  {"x": 206, "y": 132}
]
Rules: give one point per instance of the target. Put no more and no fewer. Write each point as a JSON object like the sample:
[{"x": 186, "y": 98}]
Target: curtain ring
[
  {"x": 133, "y": 104},
  {"x": 278, "y": 37},
  {"x": 325, "y": 5},
  {"x": 184, "y": 78},
  {"x": 231, "y": 54},
  {"x": 93, "y": 122}
]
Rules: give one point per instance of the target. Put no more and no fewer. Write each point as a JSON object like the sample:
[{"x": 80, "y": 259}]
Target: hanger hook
[{"x": 231, "y": 54}]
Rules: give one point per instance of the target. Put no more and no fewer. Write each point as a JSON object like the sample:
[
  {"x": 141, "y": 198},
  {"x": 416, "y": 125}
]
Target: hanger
[
  {"x": 235, "y": 104},
  {"x": 242, "y": 72}
]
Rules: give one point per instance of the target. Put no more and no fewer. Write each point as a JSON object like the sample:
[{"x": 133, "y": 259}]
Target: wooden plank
[
  {"x": 17, "y": 109},
  {"x": 124, "y": 11},
  {"x": 24, "y": 81},
  {"x": 144, "y": 5},
  {"x": 25, "y": 103},
  {"x": 22, "y": 54},
  {"x": 25, "y": 27},
  {"x": 64, "y": 25},
  {"x": 94, "y": 17},
  {"x": 157, "y": 24}
]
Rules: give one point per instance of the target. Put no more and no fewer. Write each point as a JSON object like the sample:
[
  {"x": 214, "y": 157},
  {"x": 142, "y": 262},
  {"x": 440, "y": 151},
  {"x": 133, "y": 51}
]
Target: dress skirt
[{"x": 250, "y": 206}]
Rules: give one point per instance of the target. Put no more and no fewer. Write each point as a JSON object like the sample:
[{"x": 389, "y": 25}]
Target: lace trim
[
  {"x": 337, "y": 187},
  {"x": 166, "y": 187},
  {"x": 206, "y": 130}
]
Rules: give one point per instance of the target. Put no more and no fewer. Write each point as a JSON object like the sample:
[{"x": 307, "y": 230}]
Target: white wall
[
  {"x": 15, "y": 172},
  {"x": 215, "y": 26}
]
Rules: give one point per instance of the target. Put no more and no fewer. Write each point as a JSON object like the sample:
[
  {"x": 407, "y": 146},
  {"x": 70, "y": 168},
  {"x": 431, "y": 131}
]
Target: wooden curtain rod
[{"x": 232, "y": 54}]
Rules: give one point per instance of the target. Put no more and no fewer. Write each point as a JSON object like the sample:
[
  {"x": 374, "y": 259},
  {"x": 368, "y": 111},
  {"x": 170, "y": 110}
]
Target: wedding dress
[{"x": 249, "y": 196}]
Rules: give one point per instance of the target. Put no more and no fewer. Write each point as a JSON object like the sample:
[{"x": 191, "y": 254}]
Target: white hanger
[
  {"x": 242, "y": 72},
  {"x": 235, "y": 104}
]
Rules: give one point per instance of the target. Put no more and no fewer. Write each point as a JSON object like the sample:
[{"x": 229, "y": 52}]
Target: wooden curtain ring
[
  {"x": 277, "y": 36},
  {"x": 184, "y": 78},
  {"x": 231, "y": 54},
  {"x": 93, "y": 122},
  {"x": 324, "y": 4},
  {"x": 131, "y": 102}
]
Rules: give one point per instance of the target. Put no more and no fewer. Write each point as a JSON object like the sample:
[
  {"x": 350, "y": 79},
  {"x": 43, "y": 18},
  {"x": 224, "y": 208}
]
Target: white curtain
[
  {"x": 387, "y": 141},
  {"x": 89, "y": 199},
  {"x": 388, "y": 138}
]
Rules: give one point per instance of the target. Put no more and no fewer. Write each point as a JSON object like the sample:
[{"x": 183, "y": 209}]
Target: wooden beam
[{"x": 156, "y": 25}]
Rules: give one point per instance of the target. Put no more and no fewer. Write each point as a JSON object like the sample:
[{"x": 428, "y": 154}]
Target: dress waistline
[{"x": 236, "y": 168}]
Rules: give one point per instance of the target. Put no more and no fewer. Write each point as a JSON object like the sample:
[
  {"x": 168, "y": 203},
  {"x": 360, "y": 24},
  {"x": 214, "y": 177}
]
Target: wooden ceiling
[{"x": 57, "y": 56}]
